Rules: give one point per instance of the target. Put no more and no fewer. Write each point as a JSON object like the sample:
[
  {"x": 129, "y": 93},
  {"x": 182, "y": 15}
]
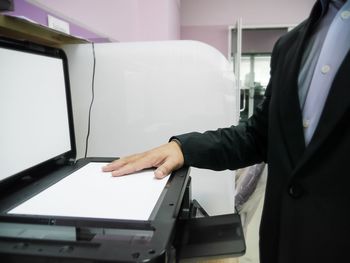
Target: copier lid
[{"x": 35, "y": 108}]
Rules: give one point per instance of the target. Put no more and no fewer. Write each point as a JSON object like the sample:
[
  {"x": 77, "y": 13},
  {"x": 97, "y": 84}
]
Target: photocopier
[{"x": 54, "y": 208}]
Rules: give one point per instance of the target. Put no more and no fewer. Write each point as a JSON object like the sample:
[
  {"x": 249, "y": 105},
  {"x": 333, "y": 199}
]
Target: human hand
[{"x": 166, "y": 158}]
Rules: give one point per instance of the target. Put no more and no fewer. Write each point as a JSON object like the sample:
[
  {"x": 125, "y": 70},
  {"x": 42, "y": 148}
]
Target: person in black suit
[{"x": 301, "y": 130}]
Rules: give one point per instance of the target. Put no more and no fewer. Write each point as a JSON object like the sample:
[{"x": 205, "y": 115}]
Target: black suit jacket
[{"x": 306, "y": 214}]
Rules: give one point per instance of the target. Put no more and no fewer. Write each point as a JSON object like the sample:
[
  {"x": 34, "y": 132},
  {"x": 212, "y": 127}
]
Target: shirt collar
[
  {"x": 324, "y": 4},
  {"x": 338, "y": 3}
]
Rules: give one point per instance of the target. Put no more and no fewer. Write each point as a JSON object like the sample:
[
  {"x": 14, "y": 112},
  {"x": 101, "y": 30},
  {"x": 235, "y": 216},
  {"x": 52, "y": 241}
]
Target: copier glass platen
[{"x": 54, "y": 208}]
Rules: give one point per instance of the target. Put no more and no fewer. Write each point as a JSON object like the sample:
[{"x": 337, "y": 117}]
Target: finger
[
  {"x": 113, "y": 166},
  {"x": 117, "y": 164},
  {"x": 128, "y": 168},
  {"x": 165, "y": 169},
  {"x": 159, "y": 173}
]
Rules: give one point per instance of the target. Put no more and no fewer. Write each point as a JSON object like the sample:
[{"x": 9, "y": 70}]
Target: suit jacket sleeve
[{"x": 233, "y": 147}]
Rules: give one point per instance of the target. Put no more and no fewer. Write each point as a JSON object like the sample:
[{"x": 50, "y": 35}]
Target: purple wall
[
  {"x": 158, "y": 20},
  {"x": 209, "y": 20},
  {"x": 120, "y": 20},
  {"x": 23, "y": 8},
  {"x": 216, "y": 36}
]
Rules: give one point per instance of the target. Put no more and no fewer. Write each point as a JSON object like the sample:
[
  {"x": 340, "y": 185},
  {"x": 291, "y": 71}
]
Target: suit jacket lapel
[{"x": 290, "y": 113}]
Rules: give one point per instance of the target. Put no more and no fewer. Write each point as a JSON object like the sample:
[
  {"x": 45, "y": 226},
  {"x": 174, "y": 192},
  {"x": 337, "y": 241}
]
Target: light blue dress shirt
[{"x": 321, "y": 61}]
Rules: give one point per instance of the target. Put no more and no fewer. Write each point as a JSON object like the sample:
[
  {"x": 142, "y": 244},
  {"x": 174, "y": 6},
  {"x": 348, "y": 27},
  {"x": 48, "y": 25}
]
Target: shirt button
[
  {"x": 325, "y": 69},
  {"x": 345, "y": 15},
  {"x": 306, "y": 123}
]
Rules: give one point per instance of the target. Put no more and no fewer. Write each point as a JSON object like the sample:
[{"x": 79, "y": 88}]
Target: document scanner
[{"x": 54, "y": 208}]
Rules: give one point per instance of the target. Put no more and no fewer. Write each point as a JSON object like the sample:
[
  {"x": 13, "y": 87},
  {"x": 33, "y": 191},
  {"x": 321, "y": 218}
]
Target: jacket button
[{"x": 295, "y": 190}]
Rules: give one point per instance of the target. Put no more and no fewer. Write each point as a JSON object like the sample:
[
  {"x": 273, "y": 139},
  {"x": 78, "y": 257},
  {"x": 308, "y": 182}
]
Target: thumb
[
  {"x": 165, "y": 169},
  {"x": 160, "y": 173}
]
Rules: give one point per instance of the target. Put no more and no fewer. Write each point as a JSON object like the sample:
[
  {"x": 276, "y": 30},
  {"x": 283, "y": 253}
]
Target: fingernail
[
  {"x": 115, "y": 173},
  {"x": 158, "y": 174}
]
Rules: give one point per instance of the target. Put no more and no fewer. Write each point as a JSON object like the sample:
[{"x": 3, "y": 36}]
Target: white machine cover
[{"x": 145, "y": 92}]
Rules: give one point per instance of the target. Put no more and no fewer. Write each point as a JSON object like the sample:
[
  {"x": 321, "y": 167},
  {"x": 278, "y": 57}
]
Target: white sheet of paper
[{"x": 89, "y": 192}]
